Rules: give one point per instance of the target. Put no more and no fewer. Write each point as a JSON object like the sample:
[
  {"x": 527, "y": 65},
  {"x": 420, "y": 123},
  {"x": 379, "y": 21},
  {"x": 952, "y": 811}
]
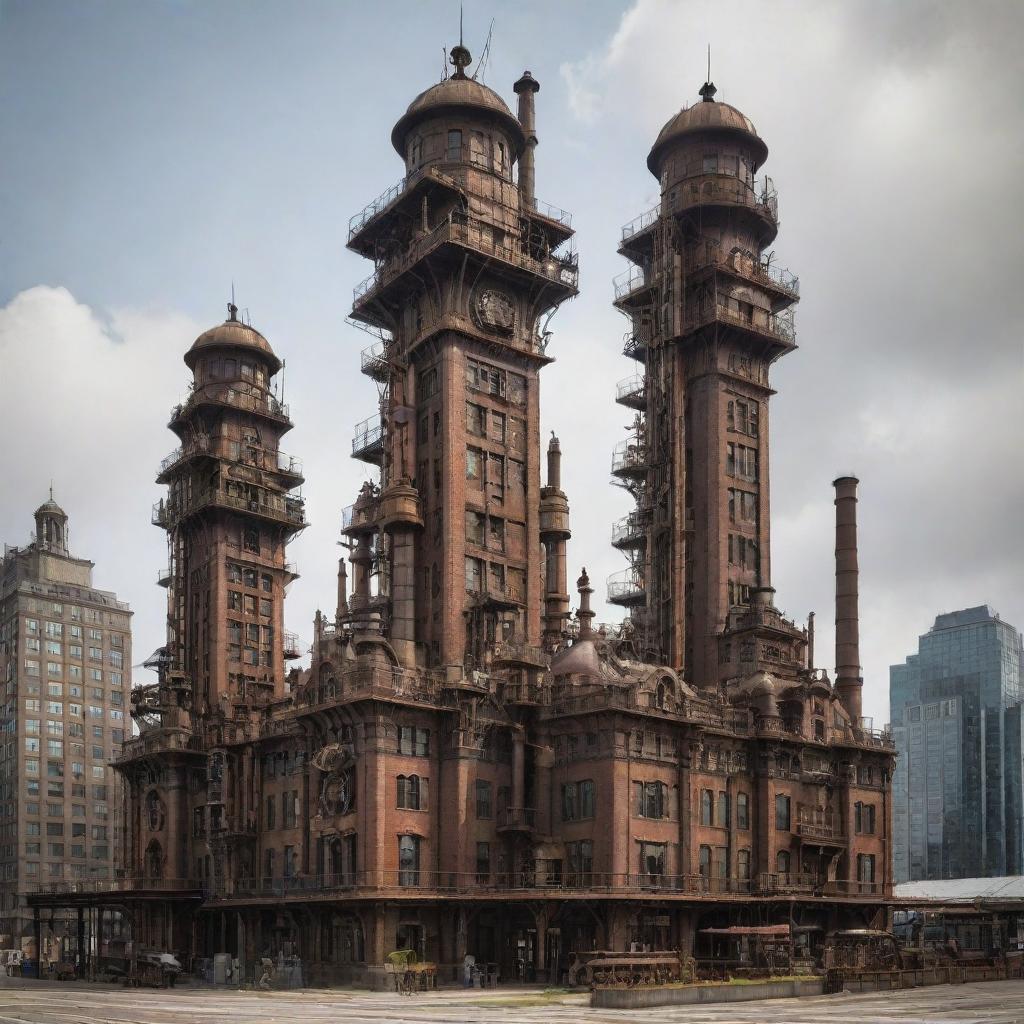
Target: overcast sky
[{"x": 153, "y": 152}]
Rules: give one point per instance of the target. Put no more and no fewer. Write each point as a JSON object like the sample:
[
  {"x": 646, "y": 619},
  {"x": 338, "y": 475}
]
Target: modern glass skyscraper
[{"x": 957, "y": 722}]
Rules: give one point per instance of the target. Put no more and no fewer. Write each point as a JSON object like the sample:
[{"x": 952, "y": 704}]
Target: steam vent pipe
[
  {"x": 525, "y": 89},
  {"x": 849, "y": 681}
]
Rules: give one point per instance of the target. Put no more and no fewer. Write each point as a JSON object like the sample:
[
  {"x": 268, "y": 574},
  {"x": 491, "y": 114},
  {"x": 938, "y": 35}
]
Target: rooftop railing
[{"x": 554, "y": 213}]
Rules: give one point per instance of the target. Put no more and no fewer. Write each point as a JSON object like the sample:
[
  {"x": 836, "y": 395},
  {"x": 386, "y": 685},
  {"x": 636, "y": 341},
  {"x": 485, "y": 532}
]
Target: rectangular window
[
  {"x": 723, "y": 810},
  {"x": 483, "y": 799},
  {"x": 782, "y": 813},
  {"x": 742, "y": 811},
  {"x": 454, "y": 151},
  {"x": 413, "y": 741},
  {"x": 707, "y": 807},
  {"x": 743, "y": 864},
  {"x": 408, "y": 860},
  {"x": 651, "y": 799},
  {"x": 653, "y": 859}
]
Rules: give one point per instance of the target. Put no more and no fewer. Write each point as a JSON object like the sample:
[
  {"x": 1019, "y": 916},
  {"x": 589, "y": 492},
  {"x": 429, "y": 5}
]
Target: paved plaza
[{"x": 21, "y": 1001}]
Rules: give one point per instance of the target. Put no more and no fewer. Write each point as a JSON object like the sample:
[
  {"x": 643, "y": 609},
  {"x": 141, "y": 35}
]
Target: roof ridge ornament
[
  {"x": 461, "y": 58},
  {"x": 707, "y": 92}
]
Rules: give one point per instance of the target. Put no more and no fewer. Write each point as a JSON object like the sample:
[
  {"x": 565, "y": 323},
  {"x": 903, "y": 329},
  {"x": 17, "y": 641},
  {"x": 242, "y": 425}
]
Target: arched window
[
  {"x": 409, "y": 792},
  {"x": 782, "y": 862}
]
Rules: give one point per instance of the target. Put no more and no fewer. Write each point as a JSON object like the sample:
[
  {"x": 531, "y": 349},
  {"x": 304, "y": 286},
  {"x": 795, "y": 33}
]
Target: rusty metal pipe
[{"x": 849, "y": 681}]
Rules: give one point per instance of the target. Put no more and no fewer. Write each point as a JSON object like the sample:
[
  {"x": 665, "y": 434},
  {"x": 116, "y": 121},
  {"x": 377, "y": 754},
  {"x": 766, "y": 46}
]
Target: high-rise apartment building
[
  {"x": 65, "y": 665},
  {"x": 956, "y": 718}
]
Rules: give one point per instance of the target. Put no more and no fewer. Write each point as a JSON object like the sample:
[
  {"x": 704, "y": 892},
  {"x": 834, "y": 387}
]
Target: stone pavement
[{"x": 32, "y": 1002}]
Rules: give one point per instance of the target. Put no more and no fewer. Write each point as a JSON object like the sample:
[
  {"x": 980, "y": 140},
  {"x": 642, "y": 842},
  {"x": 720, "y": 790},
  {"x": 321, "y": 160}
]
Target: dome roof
[
  {"x": 233, "y": 334},
  {"x": 457, "y": 93},
  {"x": 50, "y": 507},
  {"x": 707, "y": 116},
  {"x": 581, "y": 659}
]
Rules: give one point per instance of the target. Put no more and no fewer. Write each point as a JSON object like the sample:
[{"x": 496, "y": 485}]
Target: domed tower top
[
  {"x": 458, "y": 98},
  {"x": 707, "y": 118},
  {"x": 52, "y": 526},
  {"x": 233, "y": 334}
]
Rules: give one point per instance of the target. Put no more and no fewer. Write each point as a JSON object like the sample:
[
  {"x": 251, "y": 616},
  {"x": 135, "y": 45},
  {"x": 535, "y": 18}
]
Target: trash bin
[{"x": 30, "y": 968}]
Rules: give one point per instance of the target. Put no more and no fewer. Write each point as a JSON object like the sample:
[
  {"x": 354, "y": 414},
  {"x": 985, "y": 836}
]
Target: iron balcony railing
[
  {"x": 630, "y": 281},
  {"x": 518, "y": 818},
  {"x": 562, "y": 267},
  {"x": 634, "y": 345},
  {"x": 281, "y": 508},
  {"x": 369, "y": 438},
  {"x": 777, "y": 278},
  {"x": 388, "y": 196},
  {"x": 258, "y": 402},
  {"x": 638, "y": 224},
  {"x": 360, "y": 516},
  {"x": 290, "y": 645},
  {"x": 628, "y": 531},
  {"x": 545, "y": 877},
  {"x": 632, "y": 391},
  {"x": 373, "y": 361},
  {"x": 626, "y": 587},
  {"x": 88, "y": 886},
  {"x": 781, "y": 326},
  {"x": 520, "y": 652},
  {"x": 245, "y": 454},
  {"x": 550, "y": 212},
  {"x": 629, "y": 458},
  {"x": 728, "y": 189}
]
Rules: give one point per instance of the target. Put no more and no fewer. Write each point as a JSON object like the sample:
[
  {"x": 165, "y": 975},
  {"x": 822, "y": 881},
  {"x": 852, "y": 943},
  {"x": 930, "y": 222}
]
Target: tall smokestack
[
  {"x": 525, "y": 89},
  {"x": 849, "y": 681}
]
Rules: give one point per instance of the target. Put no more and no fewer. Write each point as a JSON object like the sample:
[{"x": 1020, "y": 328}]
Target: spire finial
[
  {"x": 232, "y": 308},
  {"x": 707, "y": 90},
  {"x": 460, "y": 56},
  {"x": 51, "y": 490}
]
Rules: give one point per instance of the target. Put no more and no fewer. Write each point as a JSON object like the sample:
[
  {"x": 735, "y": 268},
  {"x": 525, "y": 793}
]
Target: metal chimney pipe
[
  {"x": 554, "y": 463},
  {"x": 525, "y": 89},
  {"x": 849, "y": 681}
]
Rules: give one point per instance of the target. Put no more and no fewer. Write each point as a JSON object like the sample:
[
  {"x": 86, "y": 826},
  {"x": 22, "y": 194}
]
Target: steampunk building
[{"x": 466, "y": 769}]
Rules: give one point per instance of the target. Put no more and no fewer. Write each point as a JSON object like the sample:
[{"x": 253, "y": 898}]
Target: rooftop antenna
[
  {"x": 51, "y": 490},
  {"x": 444, "y": 63},
  {"x": 232, "y": 308},
  {"x": 481, "y": 64}
]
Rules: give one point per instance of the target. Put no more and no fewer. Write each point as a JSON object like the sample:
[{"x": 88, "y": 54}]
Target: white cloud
[{"x": 84, "y": 400}]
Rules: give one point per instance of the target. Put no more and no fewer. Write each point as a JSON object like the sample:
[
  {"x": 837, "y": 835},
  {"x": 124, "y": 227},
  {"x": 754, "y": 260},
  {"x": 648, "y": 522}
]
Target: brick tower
[
  {"x": 229, "y": 515},
  {"x": 709, "y": 315},
  {"x": 468, "y": 264}
]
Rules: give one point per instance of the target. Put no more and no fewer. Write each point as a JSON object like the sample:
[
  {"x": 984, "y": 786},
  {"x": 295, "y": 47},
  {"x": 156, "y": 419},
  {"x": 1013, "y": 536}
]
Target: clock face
[{"x": 494, "y": 310}]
